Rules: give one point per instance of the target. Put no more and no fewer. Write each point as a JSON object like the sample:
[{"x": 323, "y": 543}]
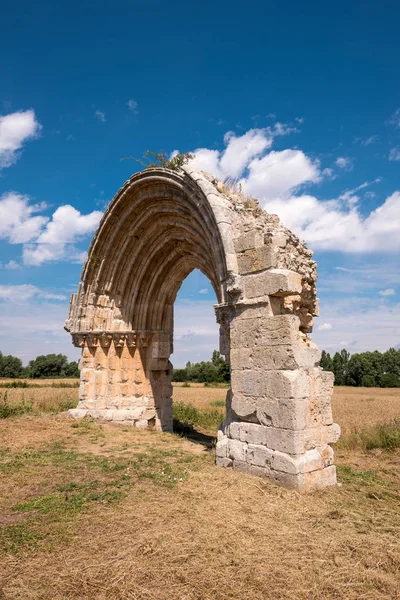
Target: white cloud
[
  {"x": 21, "y": 293},
  {"x": 344, "y": 163},
  {"x": 101, "y": 116},
  {"x": 277, "y": 174},
  {"x": 394, "y": 153},
  {"x": 239, "y": 151},
  {"x": 373, "y": 139},
  {"x": 15, "y": 129},
  {"x": 395, "y": 119},
  {"x": 203, "y": 291},
  {"x": 133, "y": 106},
  {"x": 277, "y": 178},
  {"x": 44, "y": 239},
  {"x": 325, "y": 327},
  {"x": 12, "y": 264},
  {"x": 56, "y": 241},
  {"x": 387, "y": 292},
  {"x": 17, "y": 221}
]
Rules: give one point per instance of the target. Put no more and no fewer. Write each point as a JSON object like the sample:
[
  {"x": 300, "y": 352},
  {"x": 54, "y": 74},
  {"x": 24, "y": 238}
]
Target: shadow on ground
[{"x": 187, "y": 430}]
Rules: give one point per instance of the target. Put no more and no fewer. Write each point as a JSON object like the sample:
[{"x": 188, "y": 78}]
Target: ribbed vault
[{"x": 158, "y": 228}]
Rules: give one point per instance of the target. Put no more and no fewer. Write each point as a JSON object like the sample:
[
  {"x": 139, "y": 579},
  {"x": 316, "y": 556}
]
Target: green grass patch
[
  {"x": 13, "y": 537},
  {"x": 207, "y": 419},
  {"x": 383, "y": 436},
  {"x": 218, "y": 403},
  {"x": 76, "y": 481}
]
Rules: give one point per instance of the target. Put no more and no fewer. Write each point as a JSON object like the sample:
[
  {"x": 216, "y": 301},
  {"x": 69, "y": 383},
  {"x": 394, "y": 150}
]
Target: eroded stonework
[{"x": 160, "y": 226}]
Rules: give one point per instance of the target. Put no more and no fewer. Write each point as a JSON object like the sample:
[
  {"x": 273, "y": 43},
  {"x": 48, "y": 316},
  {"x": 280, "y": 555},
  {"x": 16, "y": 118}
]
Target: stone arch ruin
[{"x": 160, "y": 226}]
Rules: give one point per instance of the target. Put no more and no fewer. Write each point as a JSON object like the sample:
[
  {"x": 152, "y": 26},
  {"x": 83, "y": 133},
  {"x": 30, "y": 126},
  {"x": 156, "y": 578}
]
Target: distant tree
[
  {"x": 72, "y": 369},
  {"x": 326, "y": 361},
  {"x": 390, "y": 380},
  {"x": 10, "y": 366},
  {"x": 217, "y": 370},
  {"x": 180, "y": 375},
  {"x": 49, "y": 365},
  {"x": 340, "y": 363}
]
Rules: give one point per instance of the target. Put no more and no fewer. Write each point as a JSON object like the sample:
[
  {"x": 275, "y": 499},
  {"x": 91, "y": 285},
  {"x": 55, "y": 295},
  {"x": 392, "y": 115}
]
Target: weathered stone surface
[
  {"x": 275, "y": 282},
  {"x": 159, "y": 227}
]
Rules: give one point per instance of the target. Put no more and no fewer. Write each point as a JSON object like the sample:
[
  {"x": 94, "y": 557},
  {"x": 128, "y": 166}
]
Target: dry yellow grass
[
  {"x": 214, "y": 535},
  {"x": 42, "y": 382}
]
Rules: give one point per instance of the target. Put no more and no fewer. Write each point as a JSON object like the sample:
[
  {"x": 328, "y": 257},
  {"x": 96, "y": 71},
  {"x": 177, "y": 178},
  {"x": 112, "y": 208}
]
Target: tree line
[
  {"x": 214, "y": 371},
  {"x": 49, "y": 365},
  {"x": 366, "y": 369}
]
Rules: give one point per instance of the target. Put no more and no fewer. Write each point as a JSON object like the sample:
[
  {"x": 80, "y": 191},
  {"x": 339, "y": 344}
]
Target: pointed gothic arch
[{"x": 160, "y": 226}]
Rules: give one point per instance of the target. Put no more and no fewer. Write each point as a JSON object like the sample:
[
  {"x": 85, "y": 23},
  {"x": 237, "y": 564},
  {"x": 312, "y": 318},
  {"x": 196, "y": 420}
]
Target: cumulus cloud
[
  {"x": 278, "y": 180},
  {"x": 239, "y": 151},
  {"x": 277, "y": 174},
  {"x": 387, "y": 292},
  {"x": 18, "y": 222},
  {"x": 203, "y": 291},
  {"x": 325, "y": 327},
  {"x": 15, "y": 129},
  {"x": 44, "y": 239},
  {"x": 56, "y": 241},
  {"x": 101, "y": 116}
]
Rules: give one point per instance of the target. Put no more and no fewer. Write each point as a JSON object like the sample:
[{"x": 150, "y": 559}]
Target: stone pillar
[
  {"x": 125, "y": 377},
  {"x": 278, "y": 421}
]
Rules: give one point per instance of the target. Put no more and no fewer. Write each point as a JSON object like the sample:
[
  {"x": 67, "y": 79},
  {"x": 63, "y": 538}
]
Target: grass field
[{"x": 94, "y": 511}]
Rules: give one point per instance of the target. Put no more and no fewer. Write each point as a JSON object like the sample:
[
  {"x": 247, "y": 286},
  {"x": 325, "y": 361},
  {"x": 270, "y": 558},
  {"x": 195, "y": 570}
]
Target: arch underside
[{"x": 152, "y": 239}]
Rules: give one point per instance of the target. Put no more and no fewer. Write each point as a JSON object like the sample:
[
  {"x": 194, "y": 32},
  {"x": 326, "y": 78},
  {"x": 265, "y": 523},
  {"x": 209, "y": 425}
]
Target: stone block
[
  {"x": 257, "y": 259},
  {"x": 244, "y": 408},
  {"x": 237, "y": 450},
  {"x": 242, "y": 466},
  {"x": 241, "y": 358},
  {"x": 289, "y": 384},
  {"x": 251, "y": 239},
  {"x": 77, "y": 413},
  {"x": 275, "y": 282},
  {"x": 286, "y": 440},
  {"x": 330, "y": 433},
  {"x": 281, "y": 461},
  {"x": 285, "y": 413},
  {"x": 259, "y": 456},
  {"x": 222, "y": 447},
  {"x": 251, "y": 433}
]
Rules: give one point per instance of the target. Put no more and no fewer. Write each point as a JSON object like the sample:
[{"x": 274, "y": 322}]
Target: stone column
[
  {"x": 125, "y": 377},
  {"x": 279, "y": 421}
]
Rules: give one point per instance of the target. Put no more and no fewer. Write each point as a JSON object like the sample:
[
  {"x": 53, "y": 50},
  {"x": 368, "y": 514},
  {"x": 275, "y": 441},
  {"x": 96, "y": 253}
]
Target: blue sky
[{"x": 299, "y": 101}]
